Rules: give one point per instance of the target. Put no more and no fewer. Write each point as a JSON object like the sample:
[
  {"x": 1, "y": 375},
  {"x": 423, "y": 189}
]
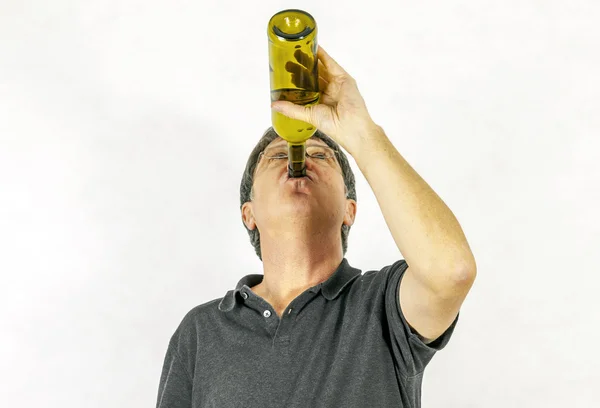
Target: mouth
[{"x": 287, "y": 177}]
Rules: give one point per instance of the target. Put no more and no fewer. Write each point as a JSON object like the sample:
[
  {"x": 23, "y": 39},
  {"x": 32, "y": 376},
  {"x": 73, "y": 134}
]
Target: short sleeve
[
  {"x": 175, "y": 388},
  {"x": 411, "y": 353}
]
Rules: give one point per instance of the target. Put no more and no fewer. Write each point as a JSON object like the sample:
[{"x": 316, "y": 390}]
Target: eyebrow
[{"x": 284, "y": 142}]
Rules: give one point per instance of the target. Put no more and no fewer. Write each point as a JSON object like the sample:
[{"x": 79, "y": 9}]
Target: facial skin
[{"x": 300, "y": 222}]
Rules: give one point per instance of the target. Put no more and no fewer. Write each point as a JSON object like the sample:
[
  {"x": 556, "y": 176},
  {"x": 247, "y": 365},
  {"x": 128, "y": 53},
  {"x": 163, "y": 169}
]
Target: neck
[{"x": 295, "y": 263}]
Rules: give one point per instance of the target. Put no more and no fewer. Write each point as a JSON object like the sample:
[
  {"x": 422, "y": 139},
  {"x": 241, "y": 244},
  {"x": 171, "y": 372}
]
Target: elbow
[{"x": 466, "y": 274}]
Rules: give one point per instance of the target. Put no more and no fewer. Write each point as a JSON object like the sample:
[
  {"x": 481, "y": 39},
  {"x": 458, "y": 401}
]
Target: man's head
[{"x": 330, "y": 197}]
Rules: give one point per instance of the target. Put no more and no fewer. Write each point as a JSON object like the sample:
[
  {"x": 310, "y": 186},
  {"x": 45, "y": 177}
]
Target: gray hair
[{"x": 246, "y": 187}]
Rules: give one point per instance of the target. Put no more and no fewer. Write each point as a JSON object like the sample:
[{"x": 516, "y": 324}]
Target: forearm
[{"x": 423, "y": 227}]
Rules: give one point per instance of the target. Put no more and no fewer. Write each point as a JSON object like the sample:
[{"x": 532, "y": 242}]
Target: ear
[
  {"x": 248, "y": 216},
  {"x": 350, "y": 214}
]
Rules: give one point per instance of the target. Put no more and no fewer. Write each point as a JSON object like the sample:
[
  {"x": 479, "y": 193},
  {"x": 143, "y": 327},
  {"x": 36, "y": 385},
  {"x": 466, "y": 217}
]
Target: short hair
[{"x": 247, "y": 184}]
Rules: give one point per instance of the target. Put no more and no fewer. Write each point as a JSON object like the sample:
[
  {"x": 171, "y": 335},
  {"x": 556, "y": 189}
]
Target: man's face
[{"x": 318, "y": 200}]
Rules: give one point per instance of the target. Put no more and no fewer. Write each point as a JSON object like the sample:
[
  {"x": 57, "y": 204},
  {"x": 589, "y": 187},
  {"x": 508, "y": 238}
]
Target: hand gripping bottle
[{"x": 294, "y": 77}]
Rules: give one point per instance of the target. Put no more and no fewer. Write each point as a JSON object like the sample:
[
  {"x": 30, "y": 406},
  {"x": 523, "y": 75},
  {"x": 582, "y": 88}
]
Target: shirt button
[
  {"x": 266, "y": 313},
  {"x": 244, "y": 295}
]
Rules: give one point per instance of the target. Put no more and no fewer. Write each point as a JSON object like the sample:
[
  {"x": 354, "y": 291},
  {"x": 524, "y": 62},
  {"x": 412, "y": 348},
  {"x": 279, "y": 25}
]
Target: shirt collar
[{"x": 330, "y": 288}]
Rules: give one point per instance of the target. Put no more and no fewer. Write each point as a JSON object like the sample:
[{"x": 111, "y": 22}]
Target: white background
[{"x": 125, "y": 126}]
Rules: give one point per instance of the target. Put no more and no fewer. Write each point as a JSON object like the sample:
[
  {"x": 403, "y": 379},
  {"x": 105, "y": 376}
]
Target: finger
[
  {"x": 300, "y": 76},
  {"x": 323, "y": 71},
  {"x": 332, "y": 66},
  {"x": 313, "y": 114},
  {"x": 304, "y": 59},
  {"x": 296, "y": 68},
  {"x": 322, "y": 84}
]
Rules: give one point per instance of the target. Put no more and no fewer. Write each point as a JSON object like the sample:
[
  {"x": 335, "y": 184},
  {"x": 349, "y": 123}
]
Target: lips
[{"x": 287, "y": 177}]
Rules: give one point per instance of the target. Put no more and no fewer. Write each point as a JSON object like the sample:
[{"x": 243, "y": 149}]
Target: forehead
[{"x": 312, "y": 141}]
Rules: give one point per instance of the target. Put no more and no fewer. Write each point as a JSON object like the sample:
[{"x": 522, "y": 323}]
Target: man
[{"x": 312, "y": 331}]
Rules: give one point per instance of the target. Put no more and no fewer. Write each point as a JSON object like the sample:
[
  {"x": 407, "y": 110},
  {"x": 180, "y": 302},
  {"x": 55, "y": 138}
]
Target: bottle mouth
[
  {"x": 297, "y": 170},
  {"x": 293, "y": 24},
  {"x": 296, "y": 160}
]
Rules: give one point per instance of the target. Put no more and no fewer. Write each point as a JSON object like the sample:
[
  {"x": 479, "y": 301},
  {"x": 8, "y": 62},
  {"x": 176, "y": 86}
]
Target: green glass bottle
[{"x": 294, "y": 77}]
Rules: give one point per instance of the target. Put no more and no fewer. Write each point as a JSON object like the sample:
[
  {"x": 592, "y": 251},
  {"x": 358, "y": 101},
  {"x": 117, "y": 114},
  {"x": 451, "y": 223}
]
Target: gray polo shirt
[{"x": 341, "y": 343}]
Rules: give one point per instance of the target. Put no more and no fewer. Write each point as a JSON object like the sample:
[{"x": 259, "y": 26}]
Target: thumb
[{"x": 294, "y": 111}]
